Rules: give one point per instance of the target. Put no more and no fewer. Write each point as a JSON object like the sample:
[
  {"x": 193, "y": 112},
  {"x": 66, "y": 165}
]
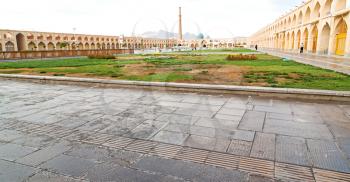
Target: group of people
[{"x": 301, "y": 48}]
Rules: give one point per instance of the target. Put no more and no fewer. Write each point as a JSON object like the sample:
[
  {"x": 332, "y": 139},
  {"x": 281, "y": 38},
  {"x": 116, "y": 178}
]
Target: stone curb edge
[{"x": 293, "y": 93}]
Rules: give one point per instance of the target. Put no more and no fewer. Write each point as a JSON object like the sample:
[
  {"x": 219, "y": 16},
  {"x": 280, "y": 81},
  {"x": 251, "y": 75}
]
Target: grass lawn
[
  {"x": 233, "y": 50},
  {"x": 266, "y": 71}
]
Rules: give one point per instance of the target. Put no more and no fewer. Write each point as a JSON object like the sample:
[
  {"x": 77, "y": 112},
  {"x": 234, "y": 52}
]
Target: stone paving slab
[
  {"x": 13, "y": 152},
  {"x": 253, "y": 120},
  {"x": 264, "y": 146},
  {"x": 305, "y": 130},
  {"x": 239, "y": 147},
  {"x": 68, "y": 165},
  {"x": 296, "y": 142},
  {"x": 292, "y": 150},
  {"x": 15, "y": 172},
  {"x": 326, "y": 155},
  {"x": 45, "y": 176},
  {"x": 46, "y": 153}
]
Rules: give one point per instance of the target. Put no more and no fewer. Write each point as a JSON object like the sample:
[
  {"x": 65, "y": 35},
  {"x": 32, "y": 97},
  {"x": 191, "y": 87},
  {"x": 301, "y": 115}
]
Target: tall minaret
[{"x": 180, "y": 24}]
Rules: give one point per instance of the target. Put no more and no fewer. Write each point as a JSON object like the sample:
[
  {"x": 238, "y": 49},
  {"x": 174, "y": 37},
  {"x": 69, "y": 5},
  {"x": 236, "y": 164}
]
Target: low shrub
[
  {"x": 101, "y": 57},
  {"x": 234, "y": 57},
  {"x": 182, "y": 69},
  {"x": 119, "y": 66},
  {"x": 59, "y": 74},
  {"x": 204, "y": 72},
  {"x": 115, "y": 75}
]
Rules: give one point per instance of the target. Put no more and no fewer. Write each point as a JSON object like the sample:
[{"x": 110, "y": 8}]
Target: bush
[
  {"x": 101, "y": 57},
  {"x": 119, "y": 66},
  {"x": 59, "y": 74},
  {"x": 182, "y": 69},
  {"x": 234, "y": 57}
]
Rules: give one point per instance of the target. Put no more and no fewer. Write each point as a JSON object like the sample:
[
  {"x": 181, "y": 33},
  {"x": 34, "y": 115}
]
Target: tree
[{"x": 63, "y": 45}]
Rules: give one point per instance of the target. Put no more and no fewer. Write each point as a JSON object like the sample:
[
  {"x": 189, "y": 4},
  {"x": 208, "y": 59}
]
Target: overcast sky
[{"x": 217, "y": 18}]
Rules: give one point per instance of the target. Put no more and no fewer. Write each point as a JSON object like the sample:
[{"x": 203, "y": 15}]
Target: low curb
[{"x": 324, "y": 95}]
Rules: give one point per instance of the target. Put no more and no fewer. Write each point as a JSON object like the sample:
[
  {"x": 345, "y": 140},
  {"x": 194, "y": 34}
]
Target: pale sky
[{"x": 217, "y": 18}]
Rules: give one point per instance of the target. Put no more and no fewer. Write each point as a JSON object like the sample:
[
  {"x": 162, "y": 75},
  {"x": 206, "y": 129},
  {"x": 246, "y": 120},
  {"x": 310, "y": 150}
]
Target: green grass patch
[
  {"x": 183, "y": 69},
  {"x": 97, "y": 70},
  {"x": 265, "y": 70},
  {"x": 236, "y": 50}
]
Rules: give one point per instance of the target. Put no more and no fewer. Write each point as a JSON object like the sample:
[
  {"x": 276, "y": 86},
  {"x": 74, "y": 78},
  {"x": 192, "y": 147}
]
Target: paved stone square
[{"x": 72, "y": 133}]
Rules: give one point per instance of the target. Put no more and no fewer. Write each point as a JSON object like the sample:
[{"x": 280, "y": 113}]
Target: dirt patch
[
  {"x": 143, "y": 69},
  {"x": 294, "y": 75}
]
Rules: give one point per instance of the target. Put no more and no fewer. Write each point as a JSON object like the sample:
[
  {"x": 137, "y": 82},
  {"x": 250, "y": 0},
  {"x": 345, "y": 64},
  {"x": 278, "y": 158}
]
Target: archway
[
  {"x": 58, "y": 46},
  {"x": 300, "y": 18},
  {"x": 340, "y": 5},
  {"x": 326, "y": 10},
  {"x": 314, "y": 39},
  {"x": 80, "y": 46},
  {"x": 87, "y": 46},
  {"x": 93, "y": 46},
  {"x": 294, "y": 21},
  {"x": 293, "y": 40},
  {"x": 306, "y": 38},
  {"x": 50, "y": 46},
  {"x": 73, "y": 46},
  {"x": 341, "y": 31},
  {"x": 9, "y": 46},
  {"x": 324, "y": 42},
  {"x": 316, "y": 11},
  {"x": 41, "y": 46},
  {"x": 298, "y": 39},
  {"x": 287, "y": 41},
  {"x": 21, "y": 44},
  {"x": 31, "y": 46},
  {"x": 307, "y": 15},
  {"x": 283, "y": 41},
  {"x": 0, "y": 47}
]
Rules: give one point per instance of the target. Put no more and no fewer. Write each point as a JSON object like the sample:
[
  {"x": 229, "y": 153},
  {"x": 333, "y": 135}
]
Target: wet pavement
[
  {"x": 71, "y": 133},
  {"x": 337, "y": 63}
]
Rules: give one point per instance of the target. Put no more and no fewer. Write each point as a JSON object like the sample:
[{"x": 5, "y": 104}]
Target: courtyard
[
  {"x": 71, "y": 133},
  {"x": 202, "y": 66}
]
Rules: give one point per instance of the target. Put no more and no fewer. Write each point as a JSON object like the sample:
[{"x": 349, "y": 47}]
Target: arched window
[
  {"x": 50, "y": 46},
  {"x": 7, "y": 36},
  {"x": 10, "y": 46},
  {"x": 340, "y": 5},
  {"x": 31, "y": 46},
  {"x": 307, "y": 15},
  {"x": 300, "y": 18},
  {"x": 326, "y": 10},
  {"x": 325, "y": 36},
  {"x": 21, "y": 42},
  {"x": 316, "y": 13},
  {"x": 41, "y": 46}
]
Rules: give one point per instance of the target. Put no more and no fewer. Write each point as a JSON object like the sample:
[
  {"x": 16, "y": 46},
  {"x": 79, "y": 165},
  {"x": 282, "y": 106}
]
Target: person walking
[
  {"x": 302, "y": 48},
  {"x": 256, "y": 47}
]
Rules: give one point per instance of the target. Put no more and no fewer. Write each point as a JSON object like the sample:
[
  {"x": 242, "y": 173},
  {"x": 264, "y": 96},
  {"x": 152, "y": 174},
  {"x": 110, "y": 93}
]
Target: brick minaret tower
[{"x": 180, "y": 24}]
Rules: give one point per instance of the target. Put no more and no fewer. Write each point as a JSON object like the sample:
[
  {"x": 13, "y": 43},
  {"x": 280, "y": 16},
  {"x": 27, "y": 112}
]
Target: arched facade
[
  {"x": 13, "y": 40},
  {"x": 320, "y": 25}
]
